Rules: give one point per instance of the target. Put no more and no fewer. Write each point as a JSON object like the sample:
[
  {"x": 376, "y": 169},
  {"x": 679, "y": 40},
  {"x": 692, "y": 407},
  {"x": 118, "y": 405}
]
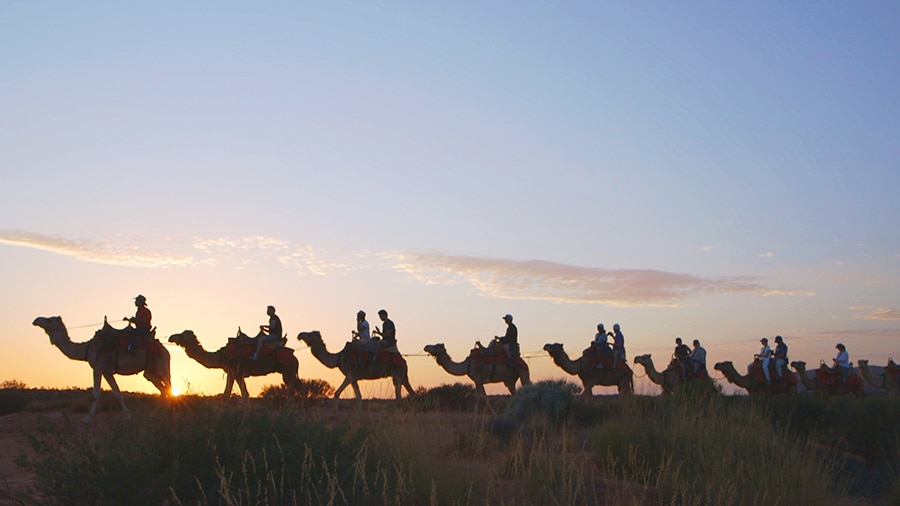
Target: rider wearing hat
[
  {"x": 842, "y": 361},
  {"x": 141, "y": 322}
]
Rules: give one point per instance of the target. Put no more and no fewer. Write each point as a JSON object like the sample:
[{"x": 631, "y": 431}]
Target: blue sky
[{"x": 712, "y": 170}]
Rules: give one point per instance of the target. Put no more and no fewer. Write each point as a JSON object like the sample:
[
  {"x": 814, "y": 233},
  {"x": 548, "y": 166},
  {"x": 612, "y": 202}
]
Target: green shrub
[{"x": 550, "y": 399}]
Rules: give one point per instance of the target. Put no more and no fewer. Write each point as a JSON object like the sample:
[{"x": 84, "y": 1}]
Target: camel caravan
[{"x": 374, "y": 355}]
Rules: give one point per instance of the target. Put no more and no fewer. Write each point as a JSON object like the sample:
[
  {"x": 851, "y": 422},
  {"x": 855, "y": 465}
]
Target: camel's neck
[
  {"x": 454, "y": 368},
  {"x": 208, "y": 359},
  {"x": 328, "y": 359},
  {"x": 655, "y": 376},
  {"x": 561, "y": 358},
  {"x": 875, "y": 381},
  {"x": 75, "y": 351},
  {"x": 808, "y": 382},
  {"x": 737, "y": 378}
]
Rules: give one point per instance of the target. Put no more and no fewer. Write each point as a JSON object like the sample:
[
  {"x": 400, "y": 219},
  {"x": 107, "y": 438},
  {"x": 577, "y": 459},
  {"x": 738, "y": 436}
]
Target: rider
[
  {"x": 601, "y": 345},
  {"x": 141, "y": 322},
  {"x": 272, "y": 331},
  {"x": 362, "y": 333},
  {"x": 618, "y": 347},
  {"x": 765, "y": 354},
  {"x": 509, "y": 341},
  {"x": 780, "y": 356},
  {"x": 698, "y": 357},
  {"x": 682, "y": 355},
  {"x": 842, "y": 361},
  {"x": 388, "y": 335}
]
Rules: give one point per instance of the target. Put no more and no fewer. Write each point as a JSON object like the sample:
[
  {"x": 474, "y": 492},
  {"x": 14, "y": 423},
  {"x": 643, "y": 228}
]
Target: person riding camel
[
  {"x": 387, "y": 337},
  {"x": 362, "y": 335},
  {"x": 601, "y": 345},
  {"x": 698, "y": 358},
  {"x": 682, "y": 356},
  {"x": 765, "y": 355},
  {"x": 780, "y": 356},
  {"x": 272, "y": 331},
  {"x": 842, "y": 362},
  {"x": 140, "y": 321},
  {"x": 618, "y": 346}
]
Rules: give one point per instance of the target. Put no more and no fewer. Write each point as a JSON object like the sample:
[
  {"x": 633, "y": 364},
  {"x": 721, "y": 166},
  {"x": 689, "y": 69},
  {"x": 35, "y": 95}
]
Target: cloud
[
  {"x": 767, "y": 254},
  {"x": 106, "y": 252},
  {"x": 541, "y": 280},
  {"x": 879, "y": 313},
  {"x": 490, "y": 277}
]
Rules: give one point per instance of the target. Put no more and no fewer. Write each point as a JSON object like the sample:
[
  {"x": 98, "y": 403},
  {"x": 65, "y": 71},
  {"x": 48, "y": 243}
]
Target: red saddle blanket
[
  {"x": 760, "y": 377},
  {"x": 149, "y": 344},
  {"x": 385, "y": 356},
  {"x": 237, "y": 348},
  {"x": 604, "y": 358},
  {"x": 829, "y": 377},
  {"x": 689, "y": 371},
  {"x": 892, "y": 369},
  {"x": 496, "y": 355}
]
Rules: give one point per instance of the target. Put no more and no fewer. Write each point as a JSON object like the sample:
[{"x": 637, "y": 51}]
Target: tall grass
[{"x": 554, "y": 449}]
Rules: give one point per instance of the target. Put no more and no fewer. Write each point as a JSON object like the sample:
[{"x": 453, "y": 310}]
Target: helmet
[
  {"x": 615, "y": 326},
  {"x": 600, "y": 326},
  {"x": 507, "y": 317},
  {"x": 140, "y": 298},
  {"x": 764, "y": 340}
]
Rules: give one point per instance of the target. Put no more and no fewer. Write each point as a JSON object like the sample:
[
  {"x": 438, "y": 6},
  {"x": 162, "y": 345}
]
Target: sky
[{"x": 721, "y": 171}]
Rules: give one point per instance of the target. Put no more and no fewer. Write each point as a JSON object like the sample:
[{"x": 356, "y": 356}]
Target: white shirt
[
  {"x": 362, "y": 328},
  {"x": 843, "y": 359},
  {"x": 765, "y": 353},
  {"x": 699, "y": 355}
]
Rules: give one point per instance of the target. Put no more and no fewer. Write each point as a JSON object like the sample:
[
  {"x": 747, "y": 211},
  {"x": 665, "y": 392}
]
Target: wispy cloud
[
  {"x": 880, "y": 313},
  {"x": 767, "y": 254},
  {"x": 490, "y": 277},
  {"x": 114, "y": 252},
  {"x": 540, "y": 280}
]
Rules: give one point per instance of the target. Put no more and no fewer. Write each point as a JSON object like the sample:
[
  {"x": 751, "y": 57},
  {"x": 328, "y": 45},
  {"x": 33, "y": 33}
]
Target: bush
[{"x": 550, "y": 399}]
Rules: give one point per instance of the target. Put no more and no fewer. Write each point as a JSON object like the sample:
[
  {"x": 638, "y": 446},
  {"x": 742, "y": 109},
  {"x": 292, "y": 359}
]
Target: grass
[{"x": 546, "y": 445}]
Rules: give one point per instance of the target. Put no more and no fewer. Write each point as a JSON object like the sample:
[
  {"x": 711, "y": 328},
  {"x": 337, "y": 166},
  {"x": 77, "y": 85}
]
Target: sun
[{"x": 175, "y": 392}]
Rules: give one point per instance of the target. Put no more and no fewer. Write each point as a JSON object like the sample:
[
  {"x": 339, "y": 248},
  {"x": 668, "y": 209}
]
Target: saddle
[
  {"x": 604, "y": 357},
  {"x": 496, "y": 355},
  {"x": 386, "y": 355},
  {"x": 892, "y": 369},
  {"x": 118, "y": 340},
  {"x": 832, "y": 377},
  {"x": 756, "y": 370}
]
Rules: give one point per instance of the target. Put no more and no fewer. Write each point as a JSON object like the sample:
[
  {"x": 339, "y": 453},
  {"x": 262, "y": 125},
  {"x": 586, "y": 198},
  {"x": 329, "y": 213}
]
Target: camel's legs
[
  {"x": 346, "y": 382},
  {"x": 111, "y": 380},
  {"x": 243, "y": 386},
  {"x": 229, "y": 386}
]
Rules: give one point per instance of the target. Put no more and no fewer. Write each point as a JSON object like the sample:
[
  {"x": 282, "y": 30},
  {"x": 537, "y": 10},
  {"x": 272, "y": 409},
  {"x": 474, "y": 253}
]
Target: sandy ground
[{"x": 13, "y": 443}]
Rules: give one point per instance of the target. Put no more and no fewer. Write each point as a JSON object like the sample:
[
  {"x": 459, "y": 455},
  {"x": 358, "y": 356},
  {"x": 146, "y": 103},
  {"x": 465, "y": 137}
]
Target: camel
[
  {"x": 885, "y": 380},
  {"x": 234, "y": 359},
  {"x": 589, "y": 374},
  {"x": 756, "y": 385},
  {"x": 107, "y": 361},
  {"x": 481, "y": 372},
  {"x": 668, "y": 379},
  {"x": 388, "y": 365},
  {"x": 826, "y": 384}
]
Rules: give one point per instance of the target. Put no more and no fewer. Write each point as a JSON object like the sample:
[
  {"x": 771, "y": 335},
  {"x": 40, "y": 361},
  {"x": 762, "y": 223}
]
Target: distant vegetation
[{"x": 545, "y": 445}]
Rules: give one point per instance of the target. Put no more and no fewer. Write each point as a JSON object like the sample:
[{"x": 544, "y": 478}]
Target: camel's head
[
  {"x": 863, "y": 362},
  {"x": 642, "y": 359},
  {"x": 49, "y": 323},
  {"x": 723, "y": 366},
  {"x": 185, "y": 338},
  {"x": 552, "y": 348},
  {"x": 799, "y": 365},
  {"x": 435, "y": 350},
  {"x": 310, "y": 337},
  {"x": 53, "y": 326}
]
